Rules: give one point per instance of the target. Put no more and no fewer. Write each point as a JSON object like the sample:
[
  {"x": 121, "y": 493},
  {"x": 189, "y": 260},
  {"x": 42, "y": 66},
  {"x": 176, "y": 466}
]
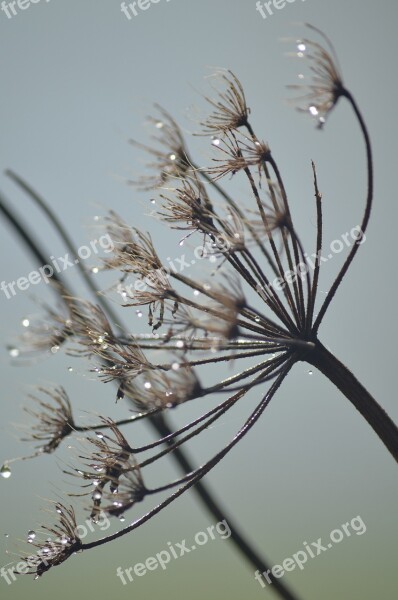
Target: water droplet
[
  {"x": 5, "y": 471},
  {"x": 97, "y": 495},
  {"x": 64, "y": 541},
  {"x": 138, "y": 313},
  {"x": 215, "y": 141},
  {"x": 196, "y": 293},
  {"x": 310, "y": 372},
  {"x": 181, "y": 243},
  {"x": 170, "y": 405},
  {"x": 25, "y": 322},
  {"x": 96, "y": 482},
  {"x": 99, "y": 435},
  {"x": 118, "y": 504},
  {"x": 7, "y": 535},
  {"x": 175, "y": 366},
  {"x": 300, "y": 76},
  {"x": 257, "y": 319},
  {"x": 180, "y": 344},
  {"x": 54, "y": 349},
  {"x": 31, "y": 536},
  {"x": 172, "y": 157},
  {"x": 70, "y": 369},
  {"x": 159, "y": 125},
  {"x": 95, "y": 270},
  {"x": 153, "y": 201},
  {"x": 13, "y": 352},
  {"x": 147, "y": 385},
  {"x": 301, "y": 47},
  {"x": 58, "y": 508},
  {"x": 313, "y": 110},
  {"x": 96, "y": 218},
  {"x": 122, "y": 518}
]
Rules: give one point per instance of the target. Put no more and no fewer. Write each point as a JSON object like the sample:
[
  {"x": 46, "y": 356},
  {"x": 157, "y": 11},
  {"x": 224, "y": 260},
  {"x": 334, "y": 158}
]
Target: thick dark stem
[{"x": 347, "y": 383}]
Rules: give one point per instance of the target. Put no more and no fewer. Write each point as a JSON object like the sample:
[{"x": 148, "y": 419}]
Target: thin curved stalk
[{"x": 369, "y": 198}]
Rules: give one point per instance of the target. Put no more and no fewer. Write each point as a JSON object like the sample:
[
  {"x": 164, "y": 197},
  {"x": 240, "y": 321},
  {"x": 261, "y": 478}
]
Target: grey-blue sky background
[{"x": 78, "y": 80}]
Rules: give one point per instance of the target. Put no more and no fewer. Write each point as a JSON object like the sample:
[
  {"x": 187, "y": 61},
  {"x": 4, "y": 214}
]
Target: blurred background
[{"x": 78, "y": 80}]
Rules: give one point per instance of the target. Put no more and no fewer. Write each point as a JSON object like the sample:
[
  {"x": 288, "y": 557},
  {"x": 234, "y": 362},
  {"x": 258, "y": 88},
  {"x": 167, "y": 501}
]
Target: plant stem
[{"x": 349, "y": 385}]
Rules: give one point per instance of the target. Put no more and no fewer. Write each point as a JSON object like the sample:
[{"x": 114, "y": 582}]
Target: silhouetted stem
[
  {"x": 366, "y": 216},
  {"x": 347, "y": 383}
]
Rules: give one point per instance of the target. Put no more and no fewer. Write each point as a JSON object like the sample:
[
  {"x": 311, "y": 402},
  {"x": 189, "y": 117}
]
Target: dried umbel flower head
[
  {"x": 53, "y": 419},
  {"x": 43, "y": 334},
  {"x": 89, "y": 326},
  {"x": 230, "y": 108},
  {"x": 171, "y": 161},
  {"x": 321, "y": 94},
  {"x": 189, "y": 208},
  {"x": 133, "y": 250},
  {"x": 53, "y": 552},
  {"x": 238, "y": 152},
  {"x": 110, "y": 464},
  {"x": 158, "y": 390}
]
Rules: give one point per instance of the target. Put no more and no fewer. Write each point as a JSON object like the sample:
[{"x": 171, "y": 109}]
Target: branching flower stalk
[{"x": 259, "y": 303}]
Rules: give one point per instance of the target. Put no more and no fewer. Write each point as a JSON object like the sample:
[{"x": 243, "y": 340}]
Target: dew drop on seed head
[
  {"x": 13, "y": 352},
  {"x": 310, "y": 372},
  {"x": 122, "y": 518},
  {"x": 159, "y": 125},
  {"x": 147, "y": 385},
  {"x": 70, "y": 369},
  {"x": 138, "y": 313},
  {"x": 180, "y": 344},
  {"x": 97, "y": 495},
  {"x": 31, "y": 536},
  {"x": 54, "y": 349},
  {"x": 175, "y": 366},
  {"x": 25, "y": 322},
  {"x": 96, "y": 218},
  {"x": 95, "y": 270},
  {"x": 153, "y": 201},
  {"x": 313, "y": 110},
  {"x": 5, "y": 471},
  {"x": 99, "y": 435},
  {"x": 215, "y": 141},
  {"x": 172, "y": 157}
]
